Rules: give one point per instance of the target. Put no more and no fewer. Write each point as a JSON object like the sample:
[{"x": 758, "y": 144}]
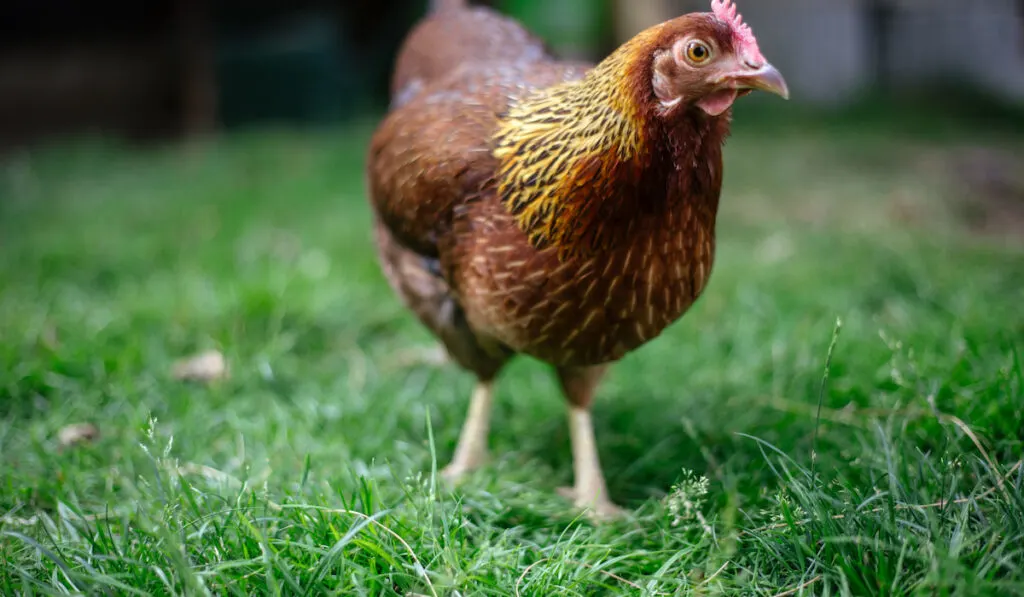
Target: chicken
[{"x": 525, "y": 205}]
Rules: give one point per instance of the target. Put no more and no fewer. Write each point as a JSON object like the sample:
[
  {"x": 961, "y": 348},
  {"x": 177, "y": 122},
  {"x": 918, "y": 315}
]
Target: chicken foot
[
  {"x": 590, "y": 491},
  {"x": 471, "y": 451}
]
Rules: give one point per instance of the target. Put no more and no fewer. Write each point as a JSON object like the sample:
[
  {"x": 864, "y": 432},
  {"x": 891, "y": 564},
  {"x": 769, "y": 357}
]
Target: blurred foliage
[{"x": 116, "y": 262}]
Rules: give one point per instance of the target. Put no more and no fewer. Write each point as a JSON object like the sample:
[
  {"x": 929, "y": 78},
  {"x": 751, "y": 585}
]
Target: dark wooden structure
[{"x": 148, "y": 69}]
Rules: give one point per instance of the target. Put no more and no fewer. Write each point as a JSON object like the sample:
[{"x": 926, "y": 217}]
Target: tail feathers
[{"x": 439, "y": 5}]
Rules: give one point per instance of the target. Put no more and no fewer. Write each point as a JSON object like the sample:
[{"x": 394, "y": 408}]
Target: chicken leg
[
  {"x": 471, "y": 451},
  {"x": 590, "y": 490}
]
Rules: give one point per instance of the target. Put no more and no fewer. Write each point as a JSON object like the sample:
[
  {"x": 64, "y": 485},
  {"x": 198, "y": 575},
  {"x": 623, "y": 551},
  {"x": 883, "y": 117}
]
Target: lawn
[{"x": 763, "y": 448}]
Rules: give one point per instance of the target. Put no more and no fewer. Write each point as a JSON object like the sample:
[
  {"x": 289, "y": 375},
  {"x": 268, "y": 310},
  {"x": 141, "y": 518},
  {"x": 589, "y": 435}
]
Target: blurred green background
[
  {"x": 169, "y": 68},
  {"x": 180, "y": 177}
]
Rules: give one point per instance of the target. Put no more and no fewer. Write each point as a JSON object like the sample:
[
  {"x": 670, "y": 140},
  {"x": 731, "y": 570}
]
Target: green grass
[{"x": 309, "y": 471}]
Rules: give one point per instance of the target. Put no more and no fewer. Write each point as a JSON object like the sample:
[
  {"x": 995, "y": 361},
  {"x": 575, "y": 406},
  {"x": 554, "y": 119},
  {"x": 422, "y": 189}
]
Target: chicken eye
[{"x": 698, "y": 52}]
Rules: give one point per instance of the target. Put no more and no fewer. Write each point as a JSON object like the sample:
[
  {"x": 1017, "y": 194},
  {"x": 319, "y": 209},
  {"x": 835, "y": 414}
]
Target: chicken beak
[{"x": 766, "y": 78}]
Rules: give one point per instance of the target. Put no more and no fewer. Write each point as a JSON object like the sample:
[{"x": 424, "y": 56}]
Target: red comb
[{"x": 744, "y": 35}]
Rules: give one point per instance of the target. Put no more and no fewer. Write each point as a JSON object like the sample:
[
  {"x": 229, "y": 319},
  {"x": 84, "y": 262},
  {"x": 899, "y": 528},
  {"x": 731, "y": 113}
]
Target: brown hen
[{"x": 527, "y": 205}]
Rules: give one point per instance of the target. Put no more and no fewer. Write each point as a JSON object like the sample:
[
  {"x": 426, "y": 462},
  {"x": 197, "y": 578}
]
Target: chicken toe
[
  {"x": 434, "y": 356},
  {"x": 595, "y": 506}
]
